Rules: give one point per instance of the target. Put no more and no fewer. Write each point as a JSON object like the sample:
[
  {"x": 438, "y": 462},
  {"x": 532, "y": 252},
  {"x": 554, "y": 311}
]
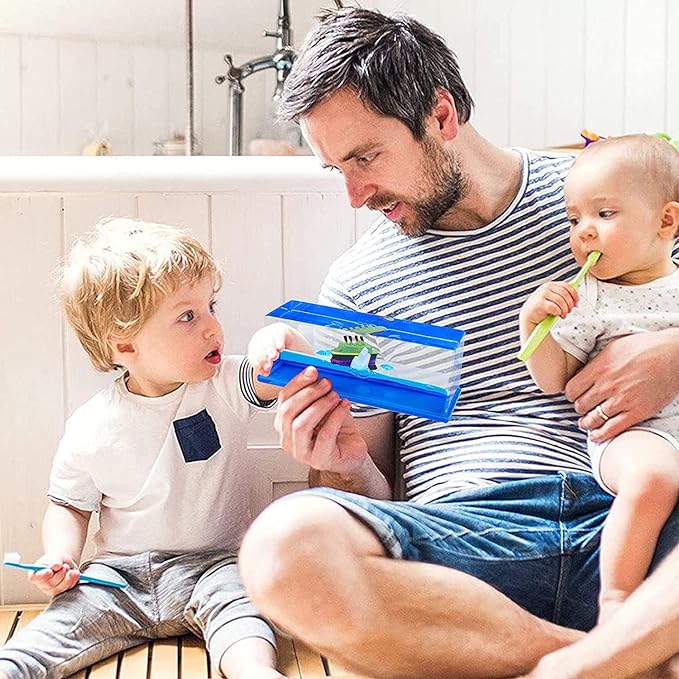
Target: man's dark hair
[{"x": 394, "y": 63}]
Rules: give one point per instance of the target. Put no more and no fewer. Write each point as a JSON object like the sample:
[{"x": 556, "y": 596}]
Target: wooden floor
[{"x": 178, "y": 658}]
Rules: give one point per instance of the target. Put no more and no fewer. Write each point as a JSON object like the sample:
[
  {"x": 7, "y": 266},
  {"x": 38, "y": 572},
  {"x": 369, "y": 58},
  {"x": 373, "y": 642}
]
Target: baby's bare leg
[{"x": 643, "y": 469}]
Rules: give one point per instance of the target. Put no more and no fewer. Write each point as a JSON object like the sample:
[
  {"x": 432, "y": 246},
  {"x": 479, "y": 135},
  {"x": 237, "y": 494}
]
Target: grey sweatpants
[{"x": 166, "y": 595}]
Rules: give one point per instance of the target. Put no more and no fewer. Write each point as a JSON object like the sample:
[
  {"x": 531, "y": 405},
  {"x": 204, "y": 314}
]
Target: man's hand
[
  {"x": 316, "y": 426},
  {"x": 631, "y": 380},
  {"x": 60, "y": 573}
]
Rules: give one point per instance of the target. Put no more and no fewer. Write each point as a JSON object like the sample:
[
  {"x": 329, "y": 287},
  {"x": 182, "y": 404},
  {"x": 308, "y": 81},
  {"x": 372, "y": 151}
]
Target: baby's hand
[
  {"x": 60, "y": 573},
  {"x": 267, "y": 343},
  {"x": 556, "y": 298}
]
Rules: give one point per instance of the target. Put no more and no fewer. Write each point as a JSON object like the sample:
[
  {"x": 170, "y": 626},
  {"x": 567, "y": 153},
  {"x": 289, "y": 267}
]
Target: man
[{"x": 491, "y": 569}]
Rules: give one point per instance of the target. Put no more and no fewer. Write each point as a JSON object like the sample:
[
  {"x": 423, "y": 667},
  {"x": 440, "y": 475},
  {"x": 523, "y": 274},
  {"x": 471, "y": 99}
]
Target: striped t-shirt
[{"x": 503, "y": 427}]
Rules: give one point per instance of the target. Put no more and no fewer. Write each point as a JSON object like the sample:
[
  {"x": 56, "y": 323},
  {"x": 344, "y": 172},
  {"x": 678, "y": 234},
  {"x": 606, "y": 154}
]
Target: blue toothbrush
[{"x": 13, "y": 561}]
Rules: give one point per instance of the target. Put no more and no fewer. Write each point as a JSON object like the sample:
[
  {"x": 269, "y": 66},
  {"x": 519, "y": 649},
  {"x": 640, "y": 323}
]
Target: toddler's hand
[
  {"x": 60, "y": 573},
  {"x": 267, "y": 343},
  {"x": 556, "y": 298}
]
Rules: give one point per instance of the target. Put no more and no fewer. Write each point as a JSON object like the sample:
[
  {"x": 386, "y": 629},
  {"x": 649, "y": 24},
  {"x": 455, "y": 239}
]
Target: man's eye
[
  {"x": 188, "y": 316},
  {"x": 213, "y": 306},
  {"x": 605, "y": 214}
]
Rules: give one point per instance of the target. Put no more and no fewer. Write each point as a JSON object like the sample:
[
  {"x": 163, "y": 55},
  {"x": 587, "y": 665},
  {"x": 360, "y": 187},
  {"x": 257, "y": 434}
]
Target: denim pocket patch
[{"x": 197, "y": 436}]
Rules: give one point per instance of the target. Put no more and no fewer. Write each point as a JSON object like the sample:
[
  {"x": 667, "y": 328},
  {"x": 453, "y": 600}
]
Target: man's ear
[
  {"x": 669, "y": 225},
  {"x": 444, "y": 114}
]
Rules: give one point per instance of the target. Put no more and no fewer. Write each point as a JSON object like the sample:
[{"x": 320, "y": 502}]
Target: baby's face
[
  {"x": 608, "y": 211},
  {"x": 181, "y": 342}
]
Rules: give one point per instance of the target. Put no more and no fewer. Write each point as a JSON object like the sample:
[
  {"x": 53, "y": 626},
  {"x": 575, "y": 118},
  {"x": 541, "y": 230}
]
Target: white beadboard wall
[
  {"x": 276, "y": 227},
  {"x": 539, "y": 70},
  {"x": 59, "y": 94}
]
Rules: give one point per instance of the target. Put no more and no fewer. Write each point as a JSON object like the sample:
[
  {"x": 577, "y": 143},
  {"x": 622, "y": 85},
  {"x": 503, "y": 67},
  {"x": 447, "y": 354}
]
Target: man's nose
[{"x": 359, "y": 192}]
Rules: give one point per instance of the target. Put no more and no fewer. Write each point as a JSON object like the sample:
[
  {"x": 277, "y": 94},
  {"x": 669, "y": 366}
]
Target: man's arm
[
  {"x": 632, "y": 379},
  {"x": 378, "y": 434},
  {"x": 317, "y": 428},
  {"x": 642, "y": 635}
]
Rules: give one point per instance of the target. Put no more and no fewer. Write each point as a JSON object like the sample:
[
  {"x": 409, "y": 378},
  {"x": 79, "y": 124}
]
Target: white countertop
[{"x": 136, "y": 174}]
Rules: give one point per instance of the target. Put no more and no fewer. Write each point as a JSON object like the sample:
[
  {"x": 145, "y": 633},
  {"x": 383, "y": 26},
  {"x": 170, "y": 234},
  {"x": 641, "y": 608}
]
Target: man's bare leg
[
  {"x": 640, "y": 640},
  {"x": 321, "y": 574}
]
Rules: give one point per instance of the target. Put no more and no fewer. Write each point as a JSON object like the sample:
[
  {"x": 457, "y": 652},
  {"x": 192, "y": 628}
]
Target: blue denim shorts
[{"x": 536, "y": 540}]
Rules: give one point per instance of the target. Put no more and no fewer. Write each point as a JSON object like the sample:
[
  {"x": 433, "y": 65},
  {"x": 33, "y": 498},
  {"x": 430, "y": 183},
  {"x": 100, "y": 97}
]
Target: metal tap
[{"x": 281, "y": 60}]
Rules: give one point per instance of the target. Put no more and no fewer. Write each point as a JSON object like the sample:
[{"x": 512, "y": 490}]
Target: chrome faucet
[{"x": 281, "y": 60}]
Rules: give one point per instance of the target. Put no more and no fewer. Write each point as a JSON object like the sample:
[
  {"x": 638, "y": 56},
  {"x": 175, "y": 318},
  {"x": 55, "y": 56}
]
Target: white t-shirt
[
  {"x": 170, "y": 473},
  {"x": 607, "y": 311}
]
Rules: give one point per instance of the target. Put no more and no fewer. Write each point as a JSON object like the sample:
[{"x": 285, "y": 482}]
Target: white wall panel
[
  {"x": 31, "y": 374},
  {"x": 214, "y": 101},
  {"x": 456, "y": 26},
  {"x": 645, "y": 66},
  {"x": 10, "y": 97},
  {"x": 316, "y": 228},
  {"x": 40, "y": 110},
  {"x": 78, "y": 98},
  {"x": 151, "y": 118},
  {"x": 492, "y": 74},
  {"x": 604, "y": 75},
  {"x": 186, "y": 210},
  {"x": 115, "y": 97},
  {"x": 528, "y": 69},
  {"x": 672, "y": 75},
  {"x": 176, "y": 91},
  {"x": 565, "y": 57},
  {"x": 538, "y": 71}
]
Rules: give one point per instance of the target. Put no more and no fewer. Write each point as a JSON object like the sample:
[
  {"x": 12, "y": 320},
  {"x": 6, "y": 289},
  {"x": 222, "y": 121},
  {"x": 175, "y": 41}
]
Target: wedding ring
[{"x": 600, "y": 412}]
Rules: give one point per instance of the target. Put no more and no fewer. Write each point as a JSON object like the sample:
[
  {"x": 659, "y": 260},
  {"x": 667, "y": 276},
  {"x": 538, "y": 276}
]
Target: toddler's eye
[
  {"x": 605, "y": 214},
  {"x": 188, "y": 316},
  {"x": 573, "y": 221}
]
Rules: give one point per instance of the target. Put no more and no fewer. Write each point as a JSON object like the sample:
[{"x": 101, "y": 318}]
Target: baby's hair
[
  {"x": 115, "y": 277},
  {"x": 654, "y": 161}
]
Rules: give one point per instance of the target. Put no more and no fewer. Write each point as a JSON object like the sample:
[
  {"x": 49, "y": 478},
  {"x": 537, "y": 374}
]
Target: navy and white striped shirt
[{"x": 503, "y": 427}]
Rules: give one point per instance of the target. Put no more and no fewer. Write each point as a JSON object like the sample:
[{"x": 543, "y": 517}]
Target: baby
[{"x": 622, "y": 199}]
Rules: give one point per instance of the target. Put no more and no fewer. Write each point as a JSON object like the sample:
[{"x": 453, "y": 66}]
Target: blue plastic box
[{"x": 403, "y": 366}]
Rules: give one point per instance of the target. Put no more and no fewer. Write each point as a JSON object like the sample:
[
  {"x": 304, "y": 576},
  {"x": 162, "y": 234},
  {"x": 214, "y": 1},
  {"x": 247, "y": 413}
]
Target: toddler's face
[
  {"x": 181, "y": 342},
  {"x": 608, "y": 212}
]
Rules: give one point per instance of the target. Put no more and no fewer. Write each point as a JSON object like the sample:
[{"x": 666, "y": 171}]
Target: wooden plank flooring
[{"x": 177, "y": 658}]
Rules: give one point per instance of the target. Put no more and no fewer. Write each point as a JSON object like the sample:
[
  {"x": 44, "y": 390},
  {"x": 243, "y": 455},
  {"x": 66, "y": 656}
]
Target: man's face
[{"x": 413, "y": 183}]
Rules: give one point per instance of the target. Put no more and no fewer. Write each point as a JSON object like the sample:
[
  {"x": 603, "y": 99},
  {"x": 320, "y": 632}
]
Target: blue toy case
[{"x": 403, "y": 366}]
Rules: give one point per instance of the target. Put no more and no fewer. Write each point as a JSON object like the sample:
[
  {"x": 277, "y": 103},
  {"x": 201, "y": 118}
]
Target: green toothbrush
[{"x": 545, "y": 325}]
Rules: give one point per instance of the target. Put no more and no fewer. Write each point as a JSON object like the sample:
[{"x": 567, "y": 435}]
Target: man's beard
[{"x": 443, "y": 183}]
